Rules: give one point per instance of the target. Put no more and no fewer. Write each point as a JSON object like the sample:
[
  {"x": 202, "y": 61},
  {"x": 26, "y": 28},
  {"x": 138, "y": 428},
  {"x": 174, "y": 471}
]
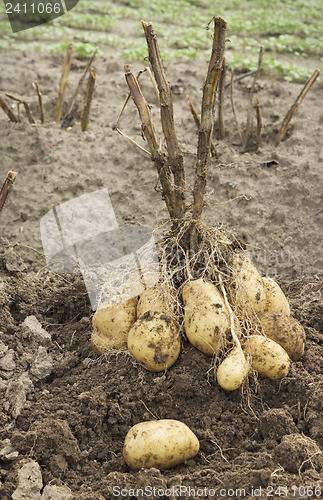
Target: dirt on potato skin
[{"x": 79, "y": 407}]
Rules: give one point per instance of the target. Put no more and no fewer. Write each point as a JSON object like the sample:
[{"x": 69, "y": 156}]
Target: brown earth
[{"x": 68, "y": 409}]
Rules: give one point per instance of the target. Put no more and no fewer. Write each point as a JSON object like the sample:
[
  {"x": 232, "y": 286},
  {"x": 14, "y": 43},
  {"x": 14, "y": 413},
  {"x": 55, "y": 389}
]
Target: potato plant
[
  {"x": 212, "y": 294},
  {"x": 209, "y": 292}
]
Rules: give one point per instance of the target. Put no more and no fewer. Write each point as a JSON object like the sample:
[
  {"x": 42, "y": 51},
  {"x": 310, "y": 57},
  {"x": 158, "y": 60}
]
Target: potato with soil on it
[
  {"x": 207, "y": 328},
  {"x": 154, "y": 341},
  {"x": 160, "y": 444},
  {"x": 247, "y": 290},
  {"x": 206, "y": 319},
  {"x": 267, "y": 357},
  {"x": 276, "y": 300},
  {"x": 200, "y": 291},
  {"x": 111, "y": 325},
  {"x": 233, "y": 370},
  {"x": 153, "y": 300},
  {"x": 286, "y": 331}
]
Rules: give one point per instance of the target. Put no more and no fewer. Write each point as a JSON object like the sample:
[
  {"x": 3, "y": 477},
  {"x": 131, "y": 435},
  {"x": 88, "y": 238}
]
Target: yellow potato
[
  {"x": 154, "y": 341},
  {"x": 286, "y": 331},
  {"x": 207, "y": 327},
  {"x": 206, "y": 319},
  {"x": 267, "y": 357},
  {"x": 233, "y": 370},
  {"x": 160, "y": 444},
  {"x": 152, "y": 300},
  {"x": 247, "y": 290},
  {"x": 275, "y": 297},
  {"x": 111, "y": 325},
  {"x": 201, "y": 291}
]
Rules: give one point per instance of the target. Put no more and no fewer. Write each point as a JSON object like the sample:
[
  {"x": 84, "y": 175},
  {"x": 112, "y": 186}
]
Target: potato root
[
  {"x": 247, "y": 290},
  {"x": 111, "y": 325},
  {"x": 159, "y": 443},
  {"x": 275, "y": 298},
  {"x": 286, "y": 331},
  {"x": 267, "y": 357},
  {"x": 154, "y": 341},
  {"x": 233, "y": 370}
]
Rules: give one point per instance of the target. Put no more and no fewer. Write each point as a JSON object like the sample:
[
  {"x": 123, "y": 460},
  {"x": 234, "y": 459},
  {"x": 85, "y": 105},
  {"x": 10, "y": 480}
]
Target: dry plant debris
[{"x": 69, "y": 116}]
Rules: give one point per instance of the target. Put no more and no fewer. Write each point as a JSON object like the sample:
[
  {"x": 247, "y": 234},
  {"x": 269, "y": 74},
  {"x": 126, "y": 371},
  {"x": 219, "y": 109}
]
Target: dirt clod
[
  {"x": 276, "y": 423},
  {"x": 296, "y": 453}
]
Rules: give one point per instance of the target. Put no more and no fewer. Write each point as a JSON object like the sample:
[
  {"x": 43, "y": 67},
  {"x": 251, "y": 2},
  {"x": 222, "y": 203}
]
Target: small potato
[
  {"x": 275, "y": 297},
  {"x": 159, "y": 443},
  {"x": 233, "y": 370},
  {"x": 286, "y": 331},
  {"x": 154, "y": 341},
  {"x": 111, "y": 326},
  {"x": 247, "y": 290},
  {"x": 267, "y": 357},
  {"x": 152, "y": 300}
]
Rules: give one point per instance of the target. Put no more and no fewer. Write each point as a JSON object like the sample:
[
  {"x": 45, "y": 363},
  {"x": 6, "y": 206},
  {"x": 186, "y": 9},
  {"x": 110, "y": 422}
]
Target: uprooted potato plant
[{"x": 208, "y": 290}]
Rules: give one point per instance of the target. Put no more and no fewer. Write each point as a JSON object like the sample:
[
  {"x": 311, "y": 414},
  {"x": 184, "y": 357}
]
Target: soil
[{"x": 68, "y": 409}]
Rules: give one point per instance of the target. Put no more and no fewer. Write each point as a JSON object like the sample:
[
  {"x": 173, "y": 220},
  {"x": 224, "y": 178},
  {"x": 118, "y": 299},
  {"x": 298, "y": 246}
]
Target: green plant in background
[
  {"x": 84, "y": 51},
  {"x": 48, "y": 159},
  {"x": 289, "y": 31}
]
